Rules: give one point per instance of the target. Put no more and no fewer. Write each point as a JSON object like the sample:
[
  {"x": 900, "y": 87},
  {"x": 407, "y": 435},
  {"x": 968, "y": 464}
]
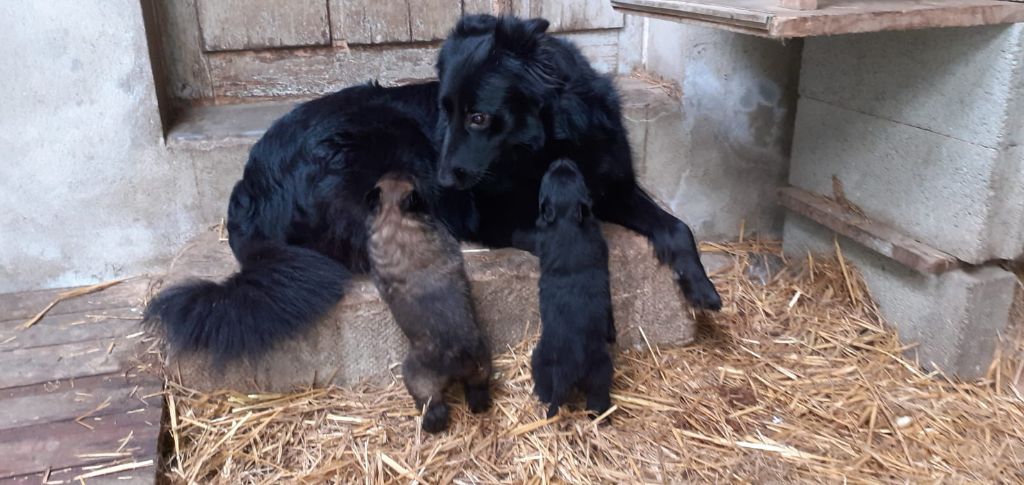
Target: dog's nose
[{"x": 452, "y": 177}]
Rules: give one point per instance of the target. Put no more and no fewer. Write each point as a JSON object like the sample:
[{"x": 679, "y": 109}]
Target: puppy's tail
[{"x": 279, "y": 291}]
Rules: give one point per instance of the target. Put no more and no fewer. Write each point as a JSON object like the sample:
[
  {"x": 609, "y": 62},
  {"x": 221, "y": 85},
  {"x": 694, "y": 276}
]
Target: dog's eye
[{"x": 478, "y": 121}]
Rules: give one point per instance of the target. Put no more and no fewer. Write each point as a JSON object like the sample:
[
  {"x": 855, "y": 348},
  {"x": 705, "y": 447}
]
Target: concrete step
[
  {"x": 715, "y": 197},
  {"x": 359, "y": 340}
]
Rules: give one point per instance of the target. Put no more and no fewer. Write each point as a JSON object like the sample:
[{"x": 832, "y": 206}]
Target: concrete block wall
[
  {"x": 925, "y": 131},
  {"x": 718, "y": 151}
]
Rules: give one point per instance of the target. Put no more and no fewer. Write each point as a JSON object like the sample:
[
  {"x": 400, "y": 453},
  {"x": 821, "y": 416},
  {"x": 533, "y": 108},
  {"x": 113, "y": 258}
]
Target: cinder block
[
  {"x": 956, "y": 317},
  {"x": 958, "y": 197},
  {"x": 959, "y": 82},
  {"x": 360, "y": 341}
]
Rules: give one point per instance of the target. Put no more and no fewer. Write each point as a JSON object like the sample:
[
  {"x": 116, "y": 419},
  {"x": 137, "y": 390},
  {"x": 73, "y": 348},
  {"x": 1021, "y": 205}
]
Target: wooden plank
[
  {"x": 370, "y": 21},
  {"x": 305, "y": 72},
  {"x": 576, "y": 15},
  {"x": 24, "y": 305},
  {"x": 33, "y": 449},
  {"x": 24, "y": 367},
  {"x": 258, "y": 24},
  {"x": 769, "y": 19},
  {"x": 799, "y": 4},
  {"x": 879, "y": 237},
  {"x": 432, "y": 19},
  {"x": 76, "y": 327},
  {"x": 72, "y": 399}
]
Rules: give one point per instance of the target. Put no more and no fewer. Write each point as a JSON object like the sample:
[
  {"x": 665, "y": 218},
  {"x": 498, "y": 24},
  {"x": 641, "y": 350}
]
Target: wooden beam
[{"x": 874, "y": 235}]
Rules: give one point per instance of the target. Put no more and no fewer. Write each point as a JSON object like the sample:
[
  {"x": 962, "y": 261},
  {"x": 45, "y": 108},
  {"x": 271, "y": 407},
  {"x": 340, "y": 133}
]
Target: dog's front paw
[
  {"x": 478, "y": 399},
  {"x": 701, "y": 294}
]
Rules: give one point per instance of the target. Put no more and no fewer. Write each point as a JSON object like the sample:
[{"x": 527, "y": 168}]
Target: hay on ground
[{"x": 794, "y": 380}]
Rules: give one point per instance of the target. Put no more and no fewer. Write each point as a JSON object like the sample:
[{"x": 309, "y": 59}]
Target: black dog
[
  {"x": 514, "y": 99},
  {"x": 418, "y": 268},
  {"x": 575, "y": 302}
]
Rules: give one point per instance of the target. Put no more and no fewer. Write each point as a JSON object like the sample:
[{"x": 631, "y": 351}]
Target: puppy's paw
[
  {"x": 478, "y": 399},
  {"x": 435, "y": 420}
]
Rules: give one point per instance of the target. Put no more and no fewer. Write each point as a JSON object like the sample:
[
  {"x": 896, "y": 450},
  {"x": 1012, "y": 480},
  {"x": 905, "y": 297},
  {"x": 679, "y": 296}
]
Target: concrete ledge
[{"x": 360, "y": 341}]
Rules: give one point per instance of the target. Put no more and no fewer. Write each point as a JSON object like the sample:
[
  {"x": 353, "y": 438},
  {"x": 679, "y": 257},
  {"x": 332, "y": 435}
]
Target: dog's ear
[
  {"x": 372, "y": 199},
  {"x": 520, "y": 36},
  {"x": 547, "y": 213},
  {"x": 479, "y": 24}
]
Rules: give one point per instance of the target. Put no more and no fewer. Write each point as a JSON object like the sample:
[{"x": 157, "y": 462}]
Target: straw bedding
[{"x": 795, "y": 380}]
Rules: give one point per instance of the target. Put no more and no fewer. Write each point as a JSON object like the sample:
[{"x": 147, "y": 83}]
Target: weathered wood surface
[
  {"x": 799, "y": 4},
  {"x": 576, "y": 15},
  {"x": 316, "y": 71},
  {"x": 769, "y": 19},
  {"x": 260, "y": 24},
  {"x": 879, "y": 237},
  {"x": 307, "y": 72},
  {"x": 78, "y": 392}
]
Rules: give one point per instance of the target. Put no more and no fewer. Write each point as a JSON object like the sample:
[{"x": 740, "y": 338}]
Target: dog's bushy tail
[{"x": 279, "y": 291}]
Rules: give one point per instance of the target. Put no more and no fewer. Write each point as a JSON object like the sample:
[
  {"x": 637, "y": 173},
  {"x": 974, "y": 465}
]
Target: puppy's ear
[
  {"x": 547, "y": 213},
  {"x": 520, "y": 36},
  {"x": 583, "y": 211},
  {"x": 372, "y": 199}
]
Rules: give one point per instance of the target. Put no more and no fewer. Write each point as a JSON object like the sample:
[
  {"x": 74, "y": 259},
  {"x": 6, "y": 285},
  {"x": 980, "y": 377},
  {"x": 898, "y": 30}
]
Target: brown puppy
[{"x": 418, "y": 269}]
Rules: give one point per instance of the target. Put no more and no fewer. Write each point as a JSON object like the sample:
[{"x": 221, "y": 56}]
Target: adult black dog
[{"x": 513, "y": 99}]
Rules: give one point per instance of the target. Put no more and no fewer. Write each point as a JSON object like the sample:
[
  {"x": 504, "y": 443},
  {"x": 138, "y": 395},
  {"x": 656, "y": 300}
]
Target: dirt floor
[{"x": 797, "y": 379}]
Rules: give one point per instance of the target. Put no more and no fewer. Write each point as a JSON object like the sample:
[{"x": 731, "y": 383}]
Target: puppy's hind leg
[
  {"x": 541, "y": 372},
  {"x": 427, "y": 389},
  {"x": 598, "y": 383},
  {"x": 478, "y": 387}
]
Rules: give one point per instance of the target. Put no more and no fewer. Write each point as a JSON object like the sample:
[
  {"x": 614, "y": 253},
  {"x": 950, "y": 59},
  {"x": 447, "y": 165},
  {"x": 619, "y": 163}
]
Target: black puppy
[
  {"x": 575, "y": 302},
  {"x": 417, "y": 266}
]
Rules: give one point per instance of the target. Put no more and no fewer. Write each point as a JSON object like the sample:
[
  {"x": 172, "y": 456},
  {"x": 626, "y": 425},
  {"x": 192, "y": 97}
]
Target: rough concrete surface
[
  {"x": 717, "y": 154},
  {"x": 359, "y": 340},
  {"x": 957, "y": 82},
  {"x": 955, "y": 318},
  {"x": 958, "y": 197},
  {"x": 86, "y": 191}
]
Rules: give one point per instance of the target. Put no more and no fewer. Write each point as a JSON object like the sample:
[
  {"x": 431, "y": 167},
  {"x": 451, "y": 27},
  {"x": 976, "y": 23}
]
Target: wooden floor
[{"x": 79, "y": 392}]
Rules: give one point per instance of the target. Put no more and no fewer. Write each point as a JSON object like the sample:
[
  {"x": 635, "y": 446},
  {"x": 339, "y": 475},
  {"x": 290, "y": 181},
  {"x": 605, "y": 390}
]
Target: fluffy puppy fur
[
  {"x": 514, "y": 99},
  {"x": 417, "y": 266},
  {"x": 575, "y": 303}
]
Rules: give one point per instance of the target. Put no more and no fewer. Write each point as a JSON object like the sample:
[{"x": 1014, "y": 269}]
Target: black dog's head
[
  {"x": 496, "y": 75},
  {"x": 563, "y": 195}
]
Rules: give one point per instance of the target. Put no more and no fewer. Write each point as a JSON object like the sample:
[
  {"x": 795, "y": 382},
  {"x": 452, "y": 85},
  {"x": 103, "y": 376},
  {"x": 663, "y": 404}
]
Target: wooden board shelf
[{"x": 768, "y": 18}]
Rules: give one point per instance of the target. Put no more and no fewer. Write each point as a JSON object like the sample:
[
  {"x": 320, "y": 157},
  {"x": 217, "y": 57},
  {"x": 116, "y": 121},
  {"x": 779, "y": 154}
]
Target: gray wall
[
  {"x": 719, "y": 159},
  {"x": 87, "y": 192}
]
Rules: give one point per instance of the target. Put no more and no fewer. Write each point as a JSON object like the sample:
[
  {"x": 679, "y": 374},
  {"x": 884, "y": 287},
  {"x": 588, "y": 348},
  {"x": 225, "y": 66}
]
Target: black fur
[
  {"x": 541, "y": 101},
  {"x": 575, "y": 302},
  {"x": 297, "y": 219},
  {"x": 305, "y": 179}
]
